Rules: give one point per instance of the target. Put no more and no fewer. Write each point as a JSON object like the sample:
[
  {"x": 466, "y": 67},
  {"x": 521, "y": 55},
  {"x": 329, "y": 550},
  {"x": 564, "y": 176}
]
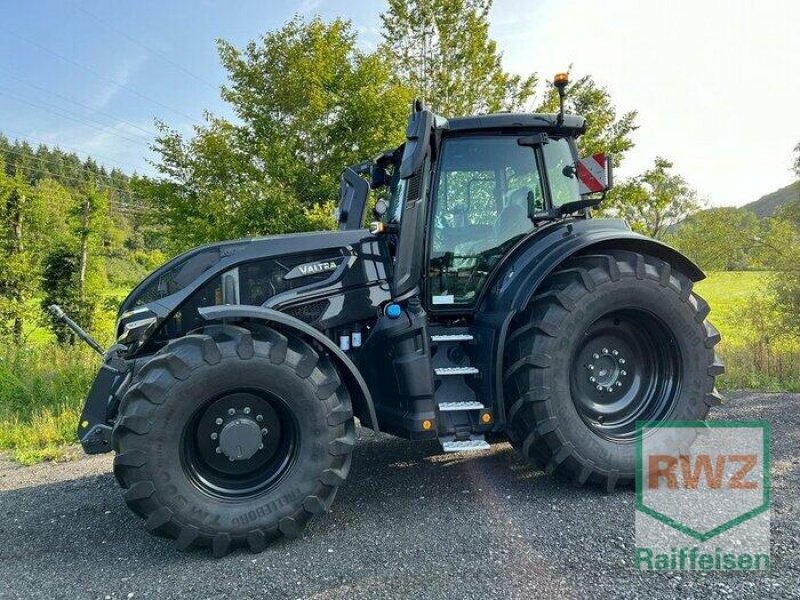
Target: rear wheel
[
  {"x": 610, "y": 341},
  {"x": 233, "y": 437}
]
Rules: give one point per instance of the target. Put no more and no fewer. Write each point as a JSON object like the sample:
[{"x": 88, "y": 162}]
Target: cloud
[
  {"x": 106, "y": 147},
  {"x": 308, "y": 6},
  {"x": 120, "y": 77}
]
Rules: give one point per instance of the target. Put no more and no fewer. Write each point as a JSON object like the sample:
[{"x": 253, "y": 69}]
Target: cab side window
[{"x": 560, "y": 165}]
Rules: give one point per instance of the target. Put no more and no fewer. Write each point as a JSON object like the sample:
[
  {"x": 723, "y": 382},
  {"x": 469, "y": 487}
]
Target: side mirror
[
  {"x": 381, "y": 206},
  {"x": 378, "y": 177},
  {"x": 595, "y": 174},
  {"x": 418, "y": 138}
]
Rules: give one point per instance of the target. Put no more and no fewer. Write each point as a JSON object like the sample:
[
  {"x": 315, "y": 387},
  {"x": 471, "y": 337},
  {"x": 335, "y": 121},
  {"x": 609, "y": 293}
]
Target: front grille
[{"x": 310, "y": 313}]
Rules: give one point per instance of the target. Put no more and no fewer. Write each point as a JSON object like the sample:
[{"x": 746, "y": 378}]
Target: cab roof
[{"x": 573, "y": 124}]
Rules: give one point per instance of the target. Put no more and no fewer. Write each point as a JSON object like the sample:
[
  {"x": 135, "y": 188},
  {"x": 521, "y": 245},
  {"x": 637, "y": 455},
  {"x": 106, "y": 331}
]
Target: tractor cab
[
  {"x": 460, "y": 205},
  {"x": 461, "y": 193}
]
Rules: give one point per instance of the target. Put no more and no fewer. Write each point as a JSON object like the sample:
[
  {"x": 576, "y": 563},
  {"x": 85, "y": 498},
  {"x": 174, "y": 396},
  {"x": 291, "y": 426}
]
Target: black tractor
[{"x": 485, "y": 303}]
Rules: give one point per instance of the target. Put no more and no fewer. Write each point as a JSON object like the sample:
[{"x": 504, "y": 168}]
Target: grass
[
  {"x": 42, "y": 389},
  {"x": 728, "y": 293},
  {"x": 43, "y": 386},
  {"x": 752, "y": 360}
]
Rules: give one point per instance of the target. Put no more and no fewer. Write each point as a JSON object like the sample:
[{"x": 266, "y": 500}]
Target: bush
[
  {"x": 41, "y": 395},
  {"x": 757, "y": 350}
]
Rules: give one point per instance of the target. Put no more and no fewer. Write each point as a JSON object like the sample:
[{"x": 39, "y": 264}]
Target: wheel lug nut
[
  {"x": 214, "y": 435},
  {"x": 230, "y": 458},
  {"x": 218, "y": 421},
  {"x": 247, "y": 410},
  {"x": 264, "y": 431},
  {"x": 599, "y": 388},
  {"x": 261, "y": 446},
  {"x": 231, "y": 411},
  {"x": 259, "y": 418},
  {"x": 605, "y": 350},
  {"x": 590, "y": 367},
  {"x": 595, "y": 356},
  {"x": 619, "y": 384},
  {"x": 218, "y": 450},
  {"x": 623, "y": 373},
  {"x": 622, "y": 361},
  {"x": 615, "y": 352},
  {"x": 592, "y": 379}
]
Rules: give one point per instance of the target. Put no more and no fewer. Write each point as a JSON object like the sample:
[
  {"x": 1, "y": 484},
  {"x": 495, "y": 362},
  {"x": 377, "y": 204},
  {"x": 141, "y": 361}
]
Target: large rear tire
[
  {"x": 610, "y": 340},
  {"x": 233, "y": 437}
]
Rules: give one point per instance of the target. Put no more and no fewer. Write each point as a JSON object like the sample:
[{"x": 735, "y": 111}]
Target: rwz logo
[{"x": 688, "y": 471}]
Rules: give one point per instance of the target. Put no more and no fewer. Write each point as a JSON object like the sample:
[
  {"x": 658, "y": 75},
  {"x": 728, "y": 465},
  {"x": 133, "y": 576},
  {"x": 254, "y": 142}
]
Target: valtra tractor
[{"x": 485, "y": 303}]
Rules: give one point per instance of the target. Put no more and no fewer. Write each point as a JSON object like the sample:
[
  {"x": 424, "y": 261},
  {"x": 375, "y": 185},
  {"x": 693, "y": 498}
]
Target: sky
[{"x": 716, "y": 83}]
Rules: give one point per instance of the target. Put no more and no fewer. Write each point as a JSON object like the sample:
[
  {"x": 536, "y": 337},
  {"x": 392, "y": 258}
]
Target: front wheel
[
  {"x": 610, "y": 341},
  {"x": 233, "y": 437}
]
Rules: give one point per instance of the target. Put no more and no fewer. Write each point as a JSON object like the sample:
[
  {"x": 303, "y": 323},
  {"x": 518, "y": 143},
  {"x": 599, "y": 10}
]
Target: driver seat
[{"x": 513, "y": 219}]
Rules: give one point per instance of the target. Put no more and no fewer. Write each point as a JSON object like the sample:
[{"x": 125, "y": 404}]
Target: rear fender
[
  {"x": 363, "y": 406},
  {"x": 518, "y": 277}
]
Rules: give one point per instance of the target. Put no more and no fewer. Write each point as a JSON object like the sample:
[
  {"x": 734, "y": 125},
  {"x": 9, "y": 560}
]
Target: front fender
[{"x": 363, "y": 406}]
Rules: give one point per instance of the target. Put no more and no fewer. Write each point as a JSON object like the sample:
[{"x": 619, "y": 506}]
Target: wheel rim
[
  {"x": 239, "y": 444},
  {"x": 626, "y": 368}
]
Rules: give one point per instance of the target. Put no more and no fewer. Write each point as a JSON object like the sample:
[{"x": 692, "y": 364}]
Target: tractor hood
[{"x": 281, "y": 265}]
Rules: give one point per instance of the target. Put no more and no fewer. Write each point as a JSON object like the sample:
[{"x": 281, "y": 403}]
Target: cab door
[{"x": 486, "y": 190}]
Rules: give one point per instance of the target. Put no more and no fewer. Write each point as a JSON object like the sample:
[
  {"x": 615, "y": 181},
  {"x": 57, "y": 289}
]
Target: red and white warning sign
[{"x": 593, "y": 173}]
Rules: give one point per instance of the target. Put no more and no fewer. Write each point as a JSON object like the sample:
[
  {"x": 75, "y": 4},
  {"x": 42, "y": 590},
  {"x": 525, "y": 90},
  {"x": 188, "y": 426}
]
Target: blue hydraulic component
[{"x": 393, "y": 311}]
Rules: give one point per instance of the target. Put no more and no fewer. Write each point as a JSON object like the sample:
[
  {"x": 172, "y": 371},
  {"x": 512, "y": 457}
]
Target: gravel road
[{"x": 409, "y": 523}]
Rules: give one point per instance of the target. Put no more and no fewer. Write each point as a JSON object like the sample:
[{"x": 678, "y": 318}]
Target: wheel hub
[
  {"x": 240, "y": 439},
  {"x": 626, "y": 369},
  {"x": 240, "y": 443},
  {"x": 607, "y": 371}
]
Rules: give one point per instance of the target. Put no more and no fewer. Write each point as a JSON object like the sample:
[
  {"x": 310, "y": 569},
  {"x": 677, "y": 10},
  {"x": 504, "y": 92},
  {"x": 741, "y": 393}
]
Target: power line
[
  {"x": 148, "y": 132},
  {"x": 97, "y": 73},
  {"x": 100, "y": 177},
  {"x": 57, "y": 146},
  {"x": 65, "y": 114},
  {"x": 141, "y": 44}
]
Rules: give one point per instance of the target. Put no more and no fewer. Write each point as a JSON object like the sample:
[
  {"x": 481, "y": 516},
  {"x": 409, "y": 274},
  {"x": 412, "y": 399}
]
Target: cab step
[
  {"x": 453, "y": 337},
  {"x": 448, "y": 406},
  {"x": 456, "y": 371},
  {"x": 475, "y": 444}
]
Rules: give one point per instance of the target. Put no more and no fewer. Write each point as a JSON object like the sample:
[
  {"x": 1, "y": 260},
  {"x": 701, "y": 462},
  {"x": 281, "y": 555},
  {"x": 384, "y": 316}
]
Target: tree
[
  {"x": 441, "y": 49},
  {"x": 44, "y": 194},
  {"x": 607, "y": 132},
  {"x": 783, "y": 258},
  {"x": 796, "y": 166},
  {"x": 720, "y": 239},
  {"x": 653, "y": 201},
  {"x": 308, "y": 103},
  {"x": 73, "y": 267},
  {"x": 22, "y": 219}
]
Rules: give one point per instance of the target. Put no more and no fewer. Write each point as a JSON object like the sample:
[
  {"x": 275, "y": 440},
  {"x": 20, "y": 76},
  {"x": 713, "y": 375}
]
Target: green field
[
  {"x": 42, "y": 386},
  {"x": 752, "y": 360},
  {"x": 729, "y": 293}
]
